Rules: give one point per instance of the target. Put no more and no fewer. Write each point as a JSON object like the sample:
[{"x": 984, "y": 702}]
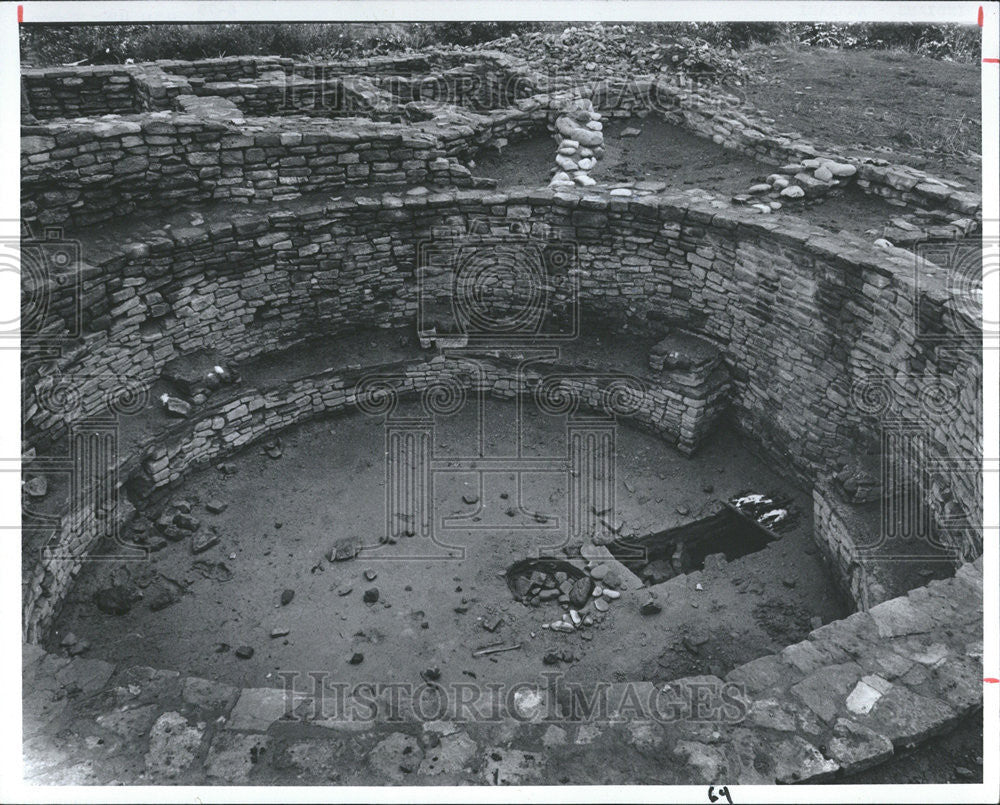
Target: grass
[
  {"x": 927, "y": 111},
  {"x": 55, "y": 44},
  {"x": 43, "y": 45}
]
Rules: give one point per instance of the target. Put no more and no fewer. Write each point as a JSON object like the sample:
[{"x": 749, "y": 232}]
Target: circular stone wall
[{"x": 813, "y": 330}]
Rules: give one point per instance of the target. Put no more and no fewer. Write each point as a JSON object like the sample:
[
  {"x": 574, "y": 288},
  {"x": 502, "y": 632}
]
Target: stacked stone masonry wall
[
  {"x": 803, "y": 321},
  {"x": 484, "y": 82}
]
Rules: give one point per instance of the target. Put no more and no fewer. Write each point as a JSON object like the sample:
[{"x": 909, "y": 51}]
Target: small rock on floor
[{"x": 651, "y": 607}]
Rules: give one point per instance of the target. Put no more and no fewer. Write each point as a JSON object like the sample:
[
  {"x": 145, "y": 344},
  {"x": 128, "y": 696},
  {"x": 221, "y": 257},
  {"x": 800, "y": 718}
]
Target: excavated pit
[
  {"x": 286, "y": 370},
  {"x": 659, "y": 557}
]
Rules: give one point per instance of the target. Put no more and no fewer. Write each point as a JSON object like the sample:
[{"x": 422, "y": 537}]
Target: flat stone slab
[
  {"x": 174, "y": 745},
  {"x": 88, "y": 676},
  {"x": 207, "y": 693},
  {"x": 822, "y": 690},
  {"x": 680, "y": 350},
  {"x": 233, "y": 756},
  {"x": 867, "y": 693},
  {"x": 451, "y": 756},
  {"x": 796, "y": 761},
  {"x": 503, "y": 766},
  {"x": 907, "y": 718},
  {"x": 396, "y": 757},
  {"x": 856, "y": 747},
  {"x": 900, "y": 616},
  {"x": 257, "y": 709}
]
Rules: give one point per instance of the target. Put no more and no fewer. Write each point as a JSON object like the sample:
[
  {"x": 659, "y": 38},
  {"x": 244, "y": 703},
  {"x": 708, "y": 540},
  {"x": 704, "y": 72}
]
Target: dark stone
[
  {"x": 192, "y": 372},
  {"x": 371, "y": 595},
  {"x": 173, "y": 533},
  {"x": 162, "y": 597},
  {"x": 186, "y": 521},
  {"x": 522, "y": 584},
  {"x": 117, "y": 600},
  {"x": 203, "y": 541},
  {"x": 579, "y": 595},
  {"x": 357, "y": 658},
  {"x": 244, "y": 652},
  {"x": 287, "y": 596},
  {"x": 651, "y": 607}
]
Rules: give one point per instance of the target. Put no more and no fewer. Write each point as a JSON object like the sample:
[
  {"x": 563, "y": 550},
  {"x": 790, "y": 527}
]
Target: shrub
[{"x": 53, "y": 44}]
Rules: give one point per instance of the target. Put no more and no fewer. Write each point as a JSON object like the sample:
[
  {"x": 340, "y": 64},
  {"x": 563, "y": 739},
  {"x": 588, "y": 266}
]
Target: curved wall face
[{"x": 809, "y": 325}]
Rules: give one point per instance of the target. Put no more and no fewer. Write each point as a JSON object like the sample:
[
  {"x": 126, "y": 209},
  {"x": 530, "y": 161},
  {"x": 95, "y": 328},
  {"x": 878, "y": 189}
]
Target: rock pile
[
  {"x": 809, "y": 178},
  {"x": 910, "y": 229},
  {"x": 584, "y": 595},
  {"x": 579, "y": 133},
  {"x": 619, "y": 50}
]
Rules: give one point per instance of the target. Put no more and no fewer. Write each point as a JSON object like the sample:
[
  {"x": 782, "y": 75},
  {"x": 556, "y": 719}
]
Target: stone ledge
[{"x": 788, "y": 728}]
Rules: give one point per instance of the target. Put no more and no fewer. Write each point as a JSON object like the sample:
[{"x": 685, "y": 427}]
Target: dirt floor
[
  {"x": 433, "y": 609},
  {"x": 926, "y": 111},
  {"x": 684, "y": 161}
]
